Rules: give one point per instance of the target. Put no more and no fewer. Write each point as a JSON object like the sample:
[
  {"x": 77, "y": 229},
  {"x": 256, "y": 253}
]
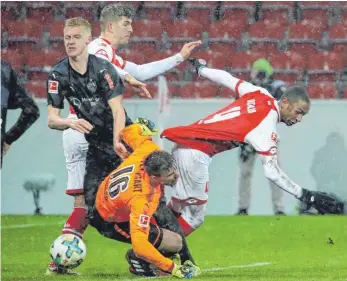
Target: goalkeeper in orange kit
[{"x": 127, "y": 199}]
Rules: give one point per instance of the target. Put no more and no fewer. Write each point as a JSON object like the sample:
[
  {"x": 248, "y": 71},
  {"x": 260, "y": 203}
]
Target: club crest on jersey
[
  {"x": 53, "y": 87},
  {"x": 91, "y": 86},
  {"x": 273, "y": 150},
  {"x": 109, "y": 80},
  {"x": 144, "y": 220},
  {"x": 202, "y": 61},
  {"x": 274, "y": 137}
]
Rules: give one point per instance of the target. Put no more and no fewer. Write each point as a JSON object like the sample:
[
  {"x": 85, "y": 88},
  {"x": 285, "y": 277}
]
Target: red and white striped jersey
[{"x": 250, "y": 119}]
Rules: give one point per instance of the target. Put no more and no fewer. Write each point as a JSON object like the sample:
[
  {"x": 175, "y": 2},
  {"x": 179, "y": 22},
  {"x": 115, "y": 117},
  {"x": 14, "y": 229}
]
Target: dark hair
[
  {"x": 114, "y": 12},
  {"x": 296, "y": 93},
  {"x": 158, "y": 163}
]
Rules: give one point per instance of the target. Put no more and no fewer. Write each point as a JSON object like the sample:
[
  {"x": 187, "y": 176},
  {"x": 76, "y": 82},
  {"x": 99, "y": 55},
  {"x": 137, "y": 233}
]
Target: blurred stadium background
[{"x": 305, "y": 42}]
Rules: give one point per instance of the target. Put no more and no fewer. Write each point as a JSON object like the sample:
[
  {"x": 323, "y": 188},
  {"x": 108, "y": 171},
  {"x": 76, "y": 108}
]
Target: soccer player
[
  {"x": 116, "y": 29},
  {"x": 251, "y": 119},
  {"x": 261, "y": 75},
  {"x": 14, "y": 96},
  {"x": 128, "y": 198},
  {"x": 93, "y": 87}
]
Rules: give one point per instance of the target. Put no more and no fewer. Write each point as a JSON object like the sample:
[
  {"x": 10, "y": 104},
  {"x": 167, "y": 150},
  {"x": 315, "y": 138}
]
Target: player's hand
[
  {"x": 197, "y": 270},
  {"x": 148, "y": 127},
  {"x": 182, "y": 271},
  {"x": 5, "y": 148},
  {"x": 198, "y": 64},
  {"x": 188, "y": 48},
  {"x": 324, "y": 203},
  {"x": 121, "y": 150},
  {"x": 138, "y": 86},
  {"x": 81, "y": 125}
]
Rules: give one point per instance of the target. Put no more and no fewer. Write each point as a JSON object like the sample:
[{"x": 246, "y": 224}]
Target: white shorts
[
  {"x": 75, "y": 151},
  {"x": 192, "y": 185}
]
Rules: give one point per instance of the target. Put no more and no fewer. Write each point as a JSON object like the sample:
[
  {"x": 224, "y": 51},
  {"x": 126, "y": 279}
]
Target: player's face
[
  {"x": 76, "y": 40},
  {"x": 293, "y": 113},
  {"x": 122, "y": 30},
  {"x": 170, "y": 178}
]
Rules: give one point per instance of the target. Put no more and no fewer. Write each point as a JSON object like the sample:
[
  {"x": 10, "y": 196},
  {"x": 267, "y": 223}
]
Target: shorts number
[{"x": 119, "y": 181}]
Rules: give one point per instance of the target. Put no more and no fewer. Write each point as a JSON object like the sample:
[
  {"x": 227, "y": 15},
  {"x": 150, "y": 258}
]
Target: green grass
[{"x": 298, "y": 249}]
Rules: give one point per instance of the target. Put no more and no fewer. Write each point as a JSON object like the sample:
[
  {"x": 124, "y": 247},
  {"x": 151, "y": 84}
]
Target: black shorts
[
  {"x": 101, "y": 161},
  {"x": 121, "y": 231}
]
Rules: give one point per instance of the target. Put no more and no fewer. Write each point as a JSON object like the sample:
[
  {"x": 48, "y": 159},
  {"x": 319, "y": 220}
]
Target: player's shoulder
[
  {"x": 61, "y": 68},
  {"x": 100, "y": 47}
]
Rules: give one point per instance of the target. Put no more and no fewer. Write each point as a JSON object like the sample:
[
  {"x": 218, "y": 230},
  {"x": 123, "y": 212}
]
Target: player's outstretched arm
[
  {"x": 324, "y": 203},
  {"x": 149, "y": 70},
  {"x": 224, "y": 78}
]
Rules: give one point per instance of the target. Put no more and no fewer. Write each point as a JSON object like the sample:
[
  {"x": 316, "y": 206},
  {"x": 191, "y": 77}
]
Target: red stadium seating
[
  {"x": 36, "y": 88},
  {"x": 289, "y": 60},
  {"x": 226, "y": 93},
  {"x": 184, "y": 28},
  {"x": 277, "y": 11},
  {"x": 146, "y": 28},
  {"x": 197, "y": 10},
  {"x": 225, "y": 29},
  {"x": 41, "y": 58},
  {"x": 317, "y": 11},
  {"x": 322, "y": 91},
  {"x": 202, "y": 90},
  {"x": 56, "y": 30},
  {"x": 289, "y": 76},
  {"x": 15, "y": 58},
  {"x": 136, "y": 57},
  {"x": 337, "y": 34},
  {"x": 159, "y": 10},
  {"x": 244, "y": 11},
  {"x": 82, "y": 9},
  {"x": 25, "y": 28},
  {"x": 42, "y": 11},
  {"x": 326, "y": 61},
  {"x": 267, "y": 35}
]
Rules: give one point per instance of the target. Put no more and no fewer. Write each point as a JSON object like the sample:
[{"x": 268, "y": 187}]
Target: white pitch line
[
  {"x": 236, "y": 266},
  {"x": 212, "y": 269},
  {"x": 29, "y": 225}
]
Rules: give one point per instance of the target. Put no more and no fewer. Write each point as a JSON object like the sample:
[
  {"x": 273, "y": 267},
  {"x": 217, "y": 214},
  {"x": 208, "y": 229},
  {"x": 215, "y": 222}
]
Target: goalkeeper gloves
[
  {"x": 198, "y": 64},
  {"x": 197, "y": 270},
  {"x": 324, "y": 203},
  {"x": 147, "y": 126},
  {"x": 182, "y": 271}
]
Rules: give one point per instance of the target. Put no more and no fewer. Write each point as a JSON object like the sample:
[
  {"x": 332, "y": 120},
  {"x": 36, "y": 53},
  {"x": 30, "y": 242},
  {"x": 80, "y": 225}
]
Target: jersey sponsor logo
[
  {"x": 53, "y": 87},
  {"x": 75, "y": 101},
  {"x": 274, "y": 137},
  {"x": 102, "y": 52},
  {"x": 144, "y": 220},
  {"x": 109, "y": 80}
]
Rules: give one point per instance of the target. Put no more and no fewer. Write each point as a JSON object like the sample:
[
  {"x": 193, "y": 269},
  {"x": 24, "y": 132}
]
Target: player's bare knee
[
  {"x": 172, "y": 242},
  {"x": 79, "y": 201}
]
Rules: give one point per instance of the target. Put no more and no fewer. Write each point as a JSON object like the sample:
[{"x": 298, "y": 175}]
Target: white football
[{"x": 68, "y": 251}]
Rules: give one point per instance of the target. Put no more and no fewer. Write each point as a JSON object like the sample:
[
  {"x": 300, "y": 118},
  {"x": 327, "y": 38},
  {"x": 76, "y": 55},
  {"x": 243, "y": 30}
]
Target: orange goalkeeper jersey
[{"x": 126, "y": 195}]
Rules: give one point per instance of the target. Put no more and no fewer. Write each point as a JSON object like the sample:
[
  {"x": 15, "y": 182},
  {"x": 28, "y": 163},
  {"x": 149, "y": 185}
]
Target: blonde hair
[
  {"x": 78, "y": 21},
  {"x": 114, "y": 12}
]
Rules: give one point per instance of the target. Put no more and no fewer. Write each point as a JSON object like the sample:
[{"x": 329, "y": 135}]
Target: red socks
[
  {"x": 77, "y": 223},
  {"x": 187, "y": 229}
]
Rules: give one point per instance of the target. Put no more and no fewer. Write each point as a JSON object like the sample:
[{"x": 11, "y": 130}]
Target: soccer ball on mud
[{"x": 68, "y": 251}]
